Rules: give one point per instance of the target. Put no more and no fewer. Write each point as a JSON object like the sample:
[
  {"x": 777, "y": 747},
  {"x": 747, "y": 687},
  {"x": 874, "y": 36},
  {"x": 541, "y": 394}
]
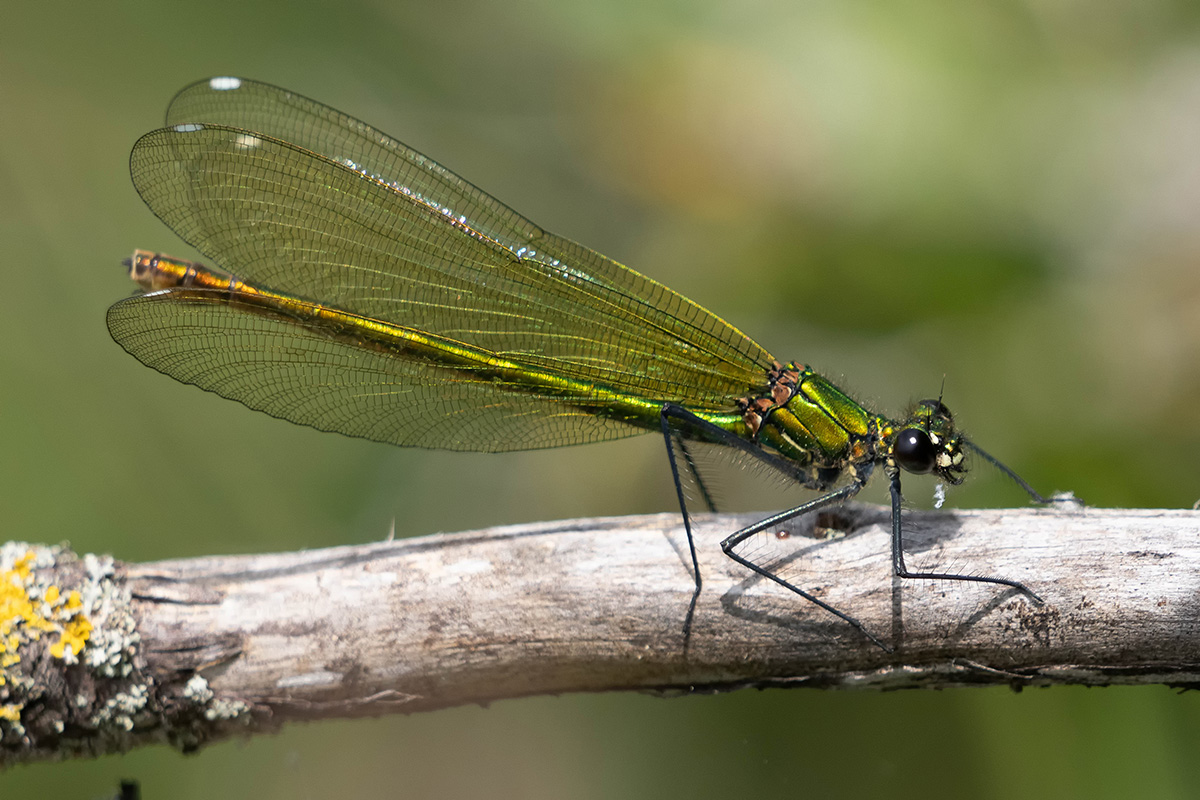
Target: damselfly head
[{"x": 927, "y": 442}]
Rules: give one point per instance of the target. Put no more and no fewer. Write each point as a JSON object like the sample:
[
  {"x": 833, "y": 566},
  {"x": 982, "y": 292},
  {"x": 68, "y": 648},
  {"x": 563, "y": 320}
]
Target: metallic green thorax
[
  {"x": 812, "y": 423},
  {"x": 797, "y": 414}
]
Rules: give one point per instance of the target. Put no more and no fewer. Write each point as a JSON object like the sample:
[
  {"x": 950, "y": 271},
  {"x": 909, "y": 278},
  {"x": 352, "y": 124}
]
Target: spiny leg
[
  {"x": 717, "y": 435},
  {"x": 693, "y": 469},
  {"x": 734, "y": 539},
  {"x": 664, "y": 421},
  {"x": 902, "y": 570},
  {"x": 721, "y": 436},
  {"x": 668, "y": 436}
]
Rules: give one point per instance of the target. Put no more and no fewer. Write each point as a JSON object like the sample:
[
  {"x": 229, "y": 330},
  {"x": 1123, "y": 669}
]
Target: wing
[
  {"x": 306, "y": 376},
  {"x": 293, "y": 195}
]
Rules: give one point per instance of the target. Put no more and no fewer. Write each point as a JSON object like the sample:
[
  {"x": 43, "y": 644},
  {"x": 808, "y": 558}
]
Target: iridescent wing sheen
[
  {"x": 293, "y": 195},
  {"x": 304, "y": 375}
]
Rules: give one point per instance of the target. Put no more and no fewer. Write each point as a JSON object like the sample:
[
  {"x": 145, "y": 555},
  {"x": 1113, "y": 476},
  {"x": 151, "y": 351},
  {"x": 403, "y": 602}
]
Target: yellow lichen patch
[
  {"x": 29, "y": 609},
  {"x": 16, "y": 608},
  {"x": 22, "y": 565},
  {"x": 74, "y": 635},
  {"x": 10, "y": 712}
]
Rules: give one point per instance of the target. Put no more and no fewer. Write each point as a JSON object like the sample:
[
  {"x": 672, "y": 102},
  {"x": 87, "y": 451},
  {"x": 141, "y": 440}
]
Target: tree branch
[{"x": 194, "y": 650}]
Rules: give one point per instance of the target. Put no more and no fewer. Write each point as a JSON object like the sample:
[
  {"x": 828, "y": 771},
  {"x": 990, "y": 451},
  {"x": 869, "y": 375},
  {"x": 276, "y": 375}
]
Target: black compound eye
[{"x": 914, "y": 451}]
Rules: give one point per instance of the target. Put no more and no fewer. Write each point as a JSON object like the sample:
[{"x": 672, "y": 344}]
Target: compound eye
[{"x": 914, "y": 451}]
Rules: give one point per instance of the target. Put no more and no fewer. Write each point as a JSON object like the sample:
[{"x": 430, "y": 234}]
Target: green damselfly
[{"x": 365, "y": 289}]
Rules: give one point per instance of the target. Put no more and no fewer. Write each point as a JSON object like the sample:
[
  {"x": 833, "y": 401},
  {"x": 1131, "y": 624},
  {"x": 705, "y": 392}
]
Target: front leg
[{"x": 832, "y": 498}]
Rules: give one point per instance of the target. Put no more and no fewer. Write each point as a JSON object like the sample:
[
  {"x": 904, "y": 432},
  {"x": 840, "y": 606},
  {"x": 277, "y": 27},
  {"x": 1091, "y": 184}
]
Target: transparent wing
[
  {"x": 303, "y": 375},
  {"x": 284, "y": 191}
]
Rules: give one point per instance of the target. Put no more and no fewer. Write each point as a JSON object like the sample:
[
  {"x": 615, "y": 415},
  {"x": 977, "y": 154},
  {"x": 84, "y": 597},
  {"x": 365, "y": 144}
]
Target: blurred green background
[{"x": 1006, "y": 194}]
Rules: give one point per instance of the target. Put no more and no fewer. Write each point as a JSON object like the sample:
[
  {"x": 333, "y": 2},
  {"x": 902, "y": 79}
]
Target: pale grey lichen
[
  {"x": 119, "y": 710},
  {"x": 197, "y": 690},
  {"x": 114, "y": 639},
  {"x": 75, "y": 615},
  {"x": 55, "y": 607},
  {"x": 227, "y": 710}
]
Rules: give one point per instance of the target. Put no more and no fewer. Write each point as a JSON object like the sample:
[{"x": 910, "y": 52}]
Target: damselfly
[{"x": 365, "y": 289}]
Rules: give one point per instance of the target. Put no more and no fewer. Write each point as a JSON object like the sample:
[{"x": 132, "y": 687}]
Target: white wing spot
[{"x": 246, "y": 141}]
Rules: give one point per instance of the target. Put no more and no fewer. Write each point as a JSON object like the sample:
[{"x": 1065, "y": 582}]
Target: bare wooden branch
[{"x": 194, "y": 650}]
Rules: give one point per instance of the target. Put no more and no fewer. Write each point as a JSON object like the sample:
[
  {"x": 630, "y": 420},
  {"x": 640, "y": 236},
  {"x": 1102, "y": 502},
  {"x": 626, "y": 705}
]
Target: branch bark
[{"x": 189, "y": 651}]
